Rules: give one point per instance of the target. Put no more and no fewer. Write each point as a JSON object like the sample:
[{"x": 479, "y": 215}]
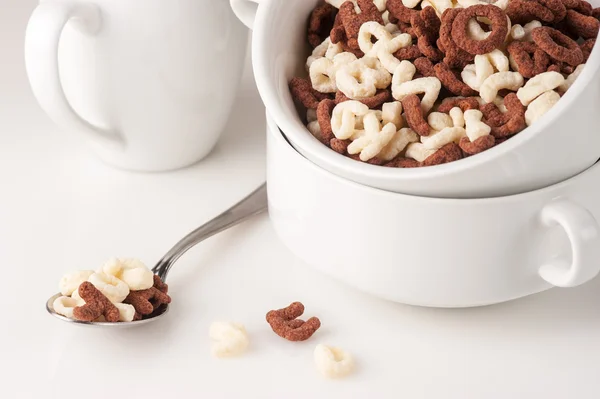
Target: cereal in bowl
[{"x": 411, "y": 83}]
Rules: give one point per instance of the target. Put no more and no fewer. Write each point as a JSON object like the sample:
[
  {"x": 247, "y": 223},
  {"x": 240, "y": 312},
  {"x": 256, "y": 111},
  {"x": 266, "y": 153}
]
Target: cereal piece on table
[
  {"x": 323, "y": 71},
  {"x": 303, "y": 91},
  {"x": 527, "y": 58},
  {"x": 449, "y": 153},
  {"x": 505, "y": 124},
  {"x": 344, "y": 118},
  {"x": 427, "y": 27},
  {"x": 418, "y": 152},
  {"x": 320, "y": 23},
  {"x": 464, "y": 103},
  {"x": 71, "y": 281},
  {"x": 374, "y": 139},
  {"x": 481, "y": 144},
  {"x": 571, "y": 79},
  {"x": 498, "y": 81},
  {"x": 413, "y": 113},
  {"x": 558, "y": 46},
  {"x": 64, "y": 305},
  {"x": 362, "y": 78},
  {"x": 475, "y": 128},
  {"x": 402, "y": 162},
  {"x": 451, "y": 82},
  {"x": 111, "y": 287},
  {"x": 523, "y": 11},
  {"x": 495, "y": 38},
  {"x": 538, "y": 107},
  {"x": 146, "y": 301},
  {"x": 458, "y": 117},
  {"x": 455, "y": 57},
  {"x": 333, "y": 362},
  {"x": 584, "y": 25},
  {"x": 96, "y": 305},
  {"x": 399, "y": 142},
  {"x": 282, "y": 323},
  {"x": 228, "y": 339},
  {"x": 538, "y": 85}
]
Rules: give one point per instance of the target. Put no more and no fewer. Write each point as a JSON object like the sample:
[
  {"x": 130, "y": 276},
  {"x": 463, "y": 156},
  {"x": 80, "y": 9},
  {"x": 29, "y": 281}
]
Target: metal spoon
[{"x": 253, "y": 204}]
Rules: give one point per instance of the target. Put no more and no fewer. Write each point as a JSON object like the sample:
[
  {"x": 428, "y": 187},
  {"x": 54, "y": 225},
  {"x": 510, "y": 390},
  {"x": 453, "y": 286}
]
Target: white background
[{"x": 60, "y": 209}]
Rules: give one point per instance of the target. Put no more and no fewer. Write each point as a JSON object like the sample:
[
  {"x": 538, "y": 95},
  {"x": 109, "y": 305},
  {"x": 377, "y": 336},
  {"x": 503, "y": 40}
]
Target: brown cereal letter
[
  {"x": 449, "y": 153},
  {"x": 303, "y": 91},
  {"x": 451, "y": 82},
  {"x": 481, "y": 144},
  {"x": 320, "y": 23},
  {"x": 402, "y": 162},
  {"x": 508, "y": 123},
  {"x": 96, "y": 305},
  {"x": 464, "y": 103},
  {"x": 148, "y": 300},
  {"x": 285, "y": 323},
  {"x": 585, "y": 26},
  {"x": 557, "y": 45},
  {"x": 414, "y": 115},
  {"x": 324, "y": 110},
  {"x": 496, "y": 38},
  {"x": 400, "y": 11},
  {"x": 455, "y": 57},
  {"x": 530, "y": 59},
  {"x": 373, "y": 102},
  {"x": 427, "y": 27},
  {"x": 524, "y": 11},
  {"x": 424, "y": 66}
]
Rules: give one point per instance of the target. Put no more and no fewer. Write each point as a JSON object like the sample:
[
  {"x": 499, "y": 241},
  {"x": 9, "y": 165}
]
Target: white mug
[
  {"x": 432, "y": 251},
  {"x": 563, "y": 143},
  {"x": 150, "y": 82}
]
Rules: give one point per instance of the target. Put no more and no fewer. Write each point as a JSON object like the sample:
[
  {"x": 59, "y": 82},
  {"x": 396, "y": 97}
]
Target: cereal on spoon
[
  {"x": 411, "y": 83},
  {"x": 122, "y": 290}
]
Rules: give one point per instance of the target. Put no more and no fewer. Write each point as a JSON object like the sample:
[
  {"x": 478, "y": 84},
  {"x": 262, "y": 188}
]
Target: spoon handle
[{"x": 253, "y": 204}]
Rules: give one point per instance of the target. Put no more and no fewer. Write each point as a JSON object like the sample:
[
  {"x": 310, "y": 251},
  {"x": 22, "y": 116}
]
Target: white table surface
[{"x": 60, "y": 209}]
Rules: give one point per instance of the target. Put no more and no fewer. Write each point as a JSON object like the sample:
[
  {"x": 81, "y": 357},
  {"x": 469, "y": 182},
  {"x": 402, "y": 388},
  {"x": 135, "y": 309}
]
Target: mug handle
[
  {"x": 584, "y": 234},
  {"x": 42, "y": 37},
  {"x": 245, "y": 11}
]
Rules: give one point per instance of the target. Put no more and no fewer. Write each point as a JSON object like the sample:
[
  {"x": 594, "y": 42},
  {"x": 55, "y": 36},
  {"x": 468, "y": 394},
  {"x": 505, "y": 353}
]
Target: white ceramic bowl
[
  {"x": 562, "y": 144},
  {"x": 434, "y": 252}
]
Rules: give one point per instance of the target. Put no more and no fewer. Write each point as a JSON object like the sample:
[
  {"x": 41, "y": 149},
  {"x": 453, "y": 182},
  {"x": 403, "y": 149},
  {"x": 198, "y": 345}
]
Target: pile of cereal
[
  {"x": 122, "y": 290},
  {"x": 410, "y": 83}
]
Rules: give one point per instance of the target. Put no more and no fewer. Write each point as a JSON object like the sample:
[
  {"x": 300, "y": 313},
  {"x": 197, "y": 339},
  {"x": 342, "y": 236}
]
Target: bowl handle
[
  {"x": 245, "y": 10},
  {"x": 584, "y": 234}
]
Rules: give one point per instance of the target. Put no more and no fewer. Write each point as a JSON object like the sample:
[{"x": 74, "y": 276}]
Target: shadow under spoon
[{"x": 254, "y": 204}]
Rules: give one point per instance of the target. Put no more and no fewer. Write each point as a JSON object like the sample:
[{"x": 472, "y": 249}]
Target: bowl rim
[
  {"x": 529, "y": 196},
  {"x": 309, "y": 146}
]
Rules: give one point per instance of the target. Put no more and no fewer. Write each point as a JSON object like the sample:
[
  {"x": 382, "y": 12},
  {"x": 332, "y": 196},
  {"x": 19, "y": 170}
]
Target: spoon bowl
[
  {"x": 161, "y": 311},
  {"x": 253, "y": 204}
]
